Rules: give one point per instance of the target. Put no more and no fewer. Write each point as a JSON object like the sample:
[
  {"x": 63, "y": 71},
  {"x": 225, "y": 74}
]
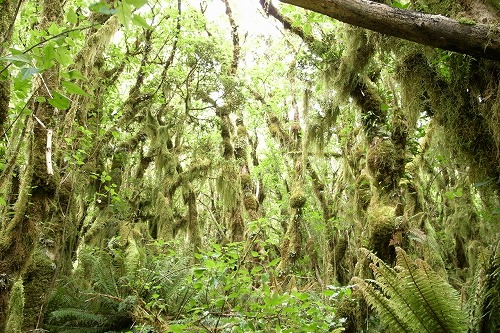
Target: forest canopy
[{"x": 249, "y": 166}]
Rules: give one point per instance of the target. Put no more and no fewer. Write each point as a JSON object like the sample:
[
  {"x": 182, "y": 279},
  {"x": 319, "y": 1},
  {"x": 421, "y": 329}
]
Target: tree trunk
[{"x": 478, "y": 40}]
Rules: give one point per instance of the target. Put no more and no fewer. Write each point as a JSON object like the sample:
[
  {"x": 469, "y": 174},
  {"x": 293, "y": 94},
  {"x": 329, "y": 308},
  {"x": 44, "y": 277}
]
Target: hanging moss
[
  {"x": 462, "y": 104},
  {"x": 164, "y": 217}
]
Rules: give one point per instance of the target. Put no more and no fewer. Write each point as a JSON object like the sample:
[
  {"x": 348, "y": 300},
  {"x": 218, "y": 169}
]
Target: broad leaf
[
  {"x": 28, "y": 72},
  {"x": 140, "y": 21},
  {"x": 59, "y": 101},
  {"x": 73, "y": 88},
  {"x": 137, "y": 3},
  {"x": 17, "y": 58}
]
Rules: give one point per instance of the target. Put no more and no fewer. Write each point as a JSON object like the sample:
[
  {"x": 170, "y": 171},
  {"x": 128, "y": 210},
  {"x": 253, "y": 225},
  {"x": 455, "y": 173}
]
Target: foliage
[
  {"x": 102, "y": 295},
  {"x": 411, "y": 297},
  {"x": 218, "y": 169},
  {"x": 237, "y": 291}
]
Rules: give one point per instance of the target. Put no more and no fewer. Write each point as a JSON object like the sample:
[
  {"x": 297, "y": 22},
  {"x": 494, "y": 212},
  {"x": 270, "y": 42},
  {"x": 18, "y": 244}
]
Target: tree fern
[{"x": 411, "y": 297}]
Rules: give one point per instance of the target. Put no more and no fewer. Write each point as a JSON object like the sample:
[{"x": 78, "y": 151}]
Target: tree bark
[{"x": 477, "y": 40}]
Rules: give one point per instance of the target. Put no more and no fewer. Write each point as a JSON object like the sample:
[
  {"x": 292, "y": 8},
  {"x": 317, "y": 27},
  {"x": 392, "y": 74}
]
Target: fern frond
[
  {"x": 412, "y": 298},
  {"x": 76, "y": 317},
  {"x": 434, "y": 300},
  {"x": 384, "y": 307}
]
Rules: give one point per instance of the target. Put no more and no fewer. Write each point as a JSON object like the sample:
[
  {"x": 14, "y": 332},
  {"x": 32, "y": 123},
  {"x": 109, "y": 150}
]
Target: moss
[
  {"x": 16, "y": 308},
  {"x": 274, "y": 130},
  {"x": 381, "y": 226},
  {"x": 241, "y": 131},
  {"x": 467, "y": 118},
  {"x": 297, "y": 199},
  {"x": 4, "y": 102},
  {"x": 373, "y": 116},
  {"x": 37, "y": 287},
  {"x": 250, "y": 203},
  {"x": 246, "y": 182},
  {"x": 352, "y": 309},
  {"x": 466, "y": 21},
  {"x": 363, "y": 191},
  {"x": 381, "y": 162}
]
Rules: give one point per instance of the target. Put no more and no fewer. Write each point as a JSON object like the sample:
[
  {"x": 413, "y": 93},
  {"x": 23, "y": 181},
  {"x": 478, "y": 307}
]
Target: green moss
[
  {"x": 297, "y": 199},
  {"x": 241, "y": 131},
  {"x": 381, "y": 226},
  {"x": 37, "y": 287},
  {"x": 246, "y": 182},
  {"x": 363, "y": 191},
  {"x": 381, "y": 162},
  {"x": 466, "y": 21},
  {"x": 250, "y": 203},
  {"x": 16, "y": 307}
]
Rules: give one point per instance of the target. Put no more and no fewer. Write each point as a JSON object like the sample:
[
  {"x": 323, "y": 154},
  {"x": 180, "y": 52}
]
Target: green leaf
[
  {"x": 53, "y": 29},
  {"x": 2, "y": 202},
  {"x": 384, "y": 107},
  {"x": 307, "y": 28},
  {"x": 256, "y": 270},
  {"x": 398, "y": 4},
  {"x": 125, "y": 14},
  {"x": 17, "y": 58},
  {"x": 73, "y": 88},
  {"x": 74, "y": 75},
  {"x": 49, "y": 54},
  {"x": 140, "y": 21},
  {"x": 59, "y": 101},
  {"x": 480, "y": 184},
  {"x": 137, "y": 3},
  {"x": 28, "y": 72},
  {"x": 71, "y": 16},
  {"x": 63, "y": 57},
  {"x": 274, "y": 262},
  {"x": 102, "y": 8}
]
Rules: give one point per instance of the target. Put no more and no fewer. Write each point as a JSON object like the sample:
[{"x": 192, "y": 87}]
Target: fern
[
  {"x": 484, "y": 302},
  {"x": 411, "y": 297},
  {"x": 103, "y": 296}
]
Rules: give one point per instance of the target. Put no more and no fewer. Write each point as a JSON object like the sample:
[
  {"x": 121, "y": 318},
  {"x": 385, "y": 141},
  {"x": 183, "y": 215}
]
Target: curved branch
[{"x": 477, "y": 40}]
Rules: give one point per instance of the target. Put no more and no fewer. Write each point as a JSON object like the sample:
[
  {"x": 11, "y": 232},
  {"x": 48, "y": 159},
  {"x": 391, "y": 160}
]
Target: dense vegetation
[{"x": 167, "y": 166}]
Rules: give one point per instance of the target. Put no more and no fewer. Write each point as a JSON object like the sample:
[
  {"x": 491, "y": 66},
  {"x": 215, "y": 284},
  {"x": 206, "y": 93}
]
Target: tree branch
[{"x": 477, "y": 40}]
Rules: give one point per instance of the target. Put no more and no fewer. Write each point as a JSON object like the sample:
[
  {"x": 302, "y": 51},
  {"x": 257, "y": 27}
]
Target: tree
[
  {"x": 463, "y": 36},
  {"x": 205, "y": 175}
]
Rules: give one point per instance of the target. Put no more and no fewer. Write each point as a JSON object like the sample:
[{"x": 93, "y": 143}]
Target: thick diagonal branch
[{"x": 478, "y": 40}]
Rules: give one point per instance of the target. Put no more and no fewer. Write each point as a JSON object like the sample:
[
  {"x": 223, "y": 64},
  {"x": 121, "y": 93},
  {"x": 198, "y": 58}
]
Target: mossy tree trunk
[
  {"x": 478, "y": 40},
  {"x": 38, "y": 188},
  {"x": 8, "y": 15}
]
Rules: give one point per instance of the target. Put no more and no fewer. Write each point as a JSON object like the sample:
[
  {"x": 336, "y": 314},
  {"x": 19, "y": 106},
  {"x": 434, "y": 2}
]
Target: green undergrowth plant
[
  {"x": 102, "y": 295},
  {"x": 411, "y": 297},
  {"x": 237, "y": 292}
]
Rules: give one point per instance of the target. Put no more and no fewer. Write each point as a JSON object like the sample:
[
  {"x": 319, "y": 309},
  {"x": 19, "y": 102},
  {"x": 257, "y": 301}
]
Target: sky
[{"x": 248, "y": 15}]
